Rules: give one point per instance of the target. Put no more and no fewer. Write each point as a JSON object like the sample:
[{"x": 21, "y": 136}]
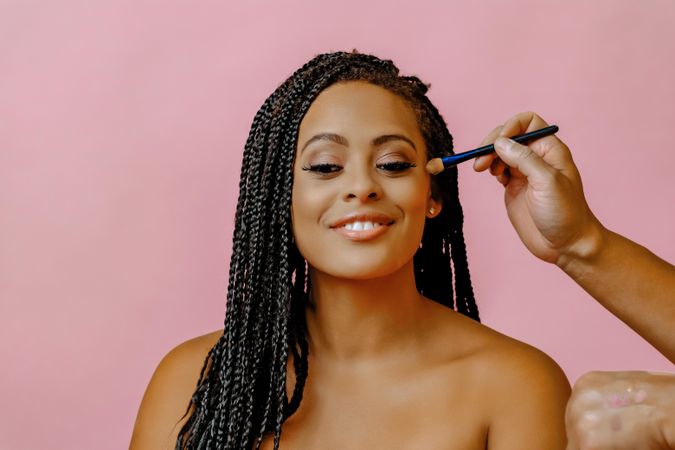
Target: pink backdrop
[{"x": 122, "y": 125}]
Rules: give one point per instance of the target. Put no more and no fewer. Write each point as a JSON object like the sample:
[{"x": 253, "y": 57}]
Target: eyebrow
[{"x": 332, "y": 137}]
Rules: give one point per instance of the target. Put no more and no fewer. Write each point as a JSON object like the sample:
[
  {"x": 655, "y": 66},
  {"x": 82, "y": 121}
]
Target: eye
[
  {"x": 396, "y": 166},
  {"x": 322, "y": 168}
]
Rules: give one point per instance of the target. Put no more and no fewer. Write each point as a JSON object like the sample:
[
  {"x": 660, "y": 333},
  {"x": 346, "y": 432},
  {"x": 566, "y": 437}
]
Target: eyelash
[{"x": 325, "y": 169}]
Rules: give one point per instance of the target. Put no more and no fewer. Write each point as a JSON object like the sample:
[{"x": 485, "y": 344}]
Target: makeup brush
[{"x": 437, "y": 165}]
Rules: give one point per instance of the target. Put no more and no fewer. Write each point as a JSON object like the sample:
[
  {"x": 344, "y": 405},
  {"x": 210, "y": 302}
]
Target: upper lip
[{"x": 363, "y": 216}]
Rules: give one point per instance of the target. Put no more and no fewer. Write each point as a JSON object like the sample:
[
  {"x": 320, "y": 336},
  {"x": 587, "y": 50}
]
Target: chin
[{"x": 360, "y": 270}]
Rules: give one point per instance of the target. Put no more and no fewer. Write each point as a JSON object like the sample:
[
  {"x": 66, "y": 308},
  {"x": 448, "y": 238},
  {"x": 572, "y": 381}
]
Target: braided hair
[{"x": 241, "y": 392}]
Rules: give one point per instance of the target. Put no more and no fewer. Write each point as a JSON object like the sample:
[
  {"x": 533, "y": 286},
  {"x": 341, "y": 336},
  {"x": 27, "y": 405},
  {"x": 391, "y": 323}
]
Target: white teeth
[{"x": 360, "y": 226}]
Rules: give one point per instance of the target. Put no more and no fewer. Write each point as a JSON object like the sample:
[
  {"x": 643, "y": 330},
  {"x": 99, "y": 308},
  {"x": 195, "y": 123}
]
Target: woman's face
[{"x": 360, "y": 192}]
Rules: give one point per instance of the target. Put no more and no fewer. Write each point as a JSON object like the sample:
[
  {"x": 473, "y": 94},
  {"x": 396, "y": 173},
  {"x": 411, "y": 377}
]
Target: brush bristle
[{"x": 435, "y": 166}]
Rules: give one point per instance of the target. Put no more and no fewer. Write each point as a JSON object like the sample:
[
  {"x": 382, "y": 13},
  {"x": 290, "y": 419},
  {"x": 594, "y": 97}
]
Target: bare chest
[{"x": 341, "y": 411}]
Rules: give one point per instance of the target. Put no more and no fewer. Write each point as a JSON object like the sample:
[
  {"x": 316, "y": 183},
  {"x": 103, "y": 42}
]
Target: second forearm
[{"x": 631, "y": 282}]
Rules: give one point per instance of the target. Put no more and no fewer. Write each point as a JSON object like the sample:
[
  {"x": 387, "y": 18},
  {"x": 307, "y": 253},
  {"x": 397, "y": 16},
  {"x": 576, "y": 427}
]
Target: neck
[{"x": 364, "y": 319}]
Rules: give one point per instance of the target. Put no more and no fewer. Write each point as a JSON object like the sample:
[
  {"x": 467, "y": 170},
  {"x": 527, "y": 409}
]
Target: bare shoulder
[
  {"x": 510, "y": 360},
  {"x": 529, "y": 393},
  {"x": 168, "y": 393},
  {"x": 485, "y": 345},
  {"x": 522, "y": 391}
]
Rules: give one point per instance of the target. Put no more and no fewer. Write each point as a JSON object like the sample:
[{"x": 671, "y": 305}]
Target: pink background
[{"x": 122, "y": 125}]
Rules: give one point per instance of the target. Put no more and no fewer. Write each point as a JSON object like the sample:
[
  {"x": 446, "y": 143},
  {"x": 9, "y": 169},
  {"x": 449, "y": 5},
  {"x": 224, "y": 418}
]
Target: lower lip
[{"x": 362, "y": 235}]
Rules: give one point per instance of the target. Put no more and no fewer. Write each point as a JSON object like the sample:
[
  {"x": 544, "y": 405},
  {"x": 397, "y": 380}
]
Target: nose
[{"x": 362, "y": 185}]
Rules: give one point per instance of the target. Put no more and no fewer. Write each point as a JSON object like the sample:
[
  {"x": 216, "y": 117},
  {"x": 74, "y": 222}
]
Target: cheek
[
  {"x": 308, "y": 205},
  {"x": 411, "y": 196},
  {"x": 304, "y": 208},
  {"x": 307, "y": 200},
  {"x": 413, "y": 199}
]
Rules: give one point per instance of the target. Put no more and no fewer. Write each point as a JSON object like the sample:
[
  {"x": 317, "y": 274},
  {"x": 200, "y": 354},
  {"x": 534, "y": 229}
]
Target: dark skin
[
  {"x": 388, "y": 368},
  {"x": 546, "y": 205}
]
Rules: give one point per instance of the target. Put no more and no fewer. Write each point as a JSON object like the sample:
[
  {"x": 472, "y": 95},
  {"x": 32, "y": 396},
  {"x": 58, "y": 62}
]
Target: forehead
[{"x": 358, "y": 106}]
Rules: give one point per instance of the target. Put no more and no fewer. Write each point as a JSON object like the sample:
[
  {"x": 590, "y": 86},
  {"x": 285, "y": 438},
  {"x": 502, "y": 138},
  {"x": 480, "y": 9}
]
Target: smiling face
[{"x": 360, "y": 191}]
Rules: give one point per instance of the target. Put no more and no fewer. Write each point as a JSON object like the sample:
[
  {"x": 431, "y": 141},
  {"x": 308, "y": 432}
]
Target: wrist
[{"x": 586, "y": 248}]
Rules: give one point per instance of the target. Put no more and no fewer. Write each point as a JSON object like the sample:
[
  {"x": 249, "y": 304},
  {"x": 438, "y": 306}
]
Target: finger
[
  {"x": 491, "y": 136},
  {"x": 497, "y": 167},
  {"x": 522, "y": 123},
  {"x": 551, "y": 148},
  {"x": 483, "y": 162},
  {"x": 572, "y": 441},
  {"x": 524, "y": 159},
  {"x": 504, "y": 178}
]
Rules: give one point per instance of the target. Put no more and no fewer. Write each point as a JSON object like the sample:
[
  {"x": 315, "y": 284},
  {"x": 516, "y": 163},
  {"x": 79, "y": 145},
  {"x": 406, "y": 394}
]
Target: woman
[{"x": 343, "y": 328}]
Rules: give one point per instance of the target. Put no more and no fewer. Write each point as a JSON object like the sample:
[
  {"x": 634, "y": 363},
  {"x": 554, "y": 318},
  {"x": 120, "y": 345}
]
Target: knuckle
[
  {"x": 526, "y": 152},
  {"x": 588, "y": 380},
  {"x": 596, "y": 374},
  {"x": 508, "y": 127},
  {"x": 584, "y": 380},
  {"x": 524, "y": 116},
  {"x": 492, "y": 135},
  {"x": 581, "y": 407}
]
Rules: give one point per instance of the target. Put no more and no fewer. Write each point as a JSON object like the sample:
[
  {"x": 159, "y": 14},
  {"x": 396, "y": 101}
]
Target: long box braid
[{"x": 241, "y": 392}]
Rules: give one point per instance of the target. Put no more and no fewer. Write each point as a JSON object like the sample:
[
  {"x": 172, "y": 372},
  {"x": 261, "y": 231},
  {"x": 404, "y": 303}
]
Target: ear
[{"x": 433, "y": 207}]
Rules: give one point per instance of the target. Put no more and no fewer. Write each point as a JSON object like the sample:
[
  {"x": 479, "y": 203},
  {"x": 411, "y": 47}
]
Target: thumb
[{"x": 521, "y": 157}]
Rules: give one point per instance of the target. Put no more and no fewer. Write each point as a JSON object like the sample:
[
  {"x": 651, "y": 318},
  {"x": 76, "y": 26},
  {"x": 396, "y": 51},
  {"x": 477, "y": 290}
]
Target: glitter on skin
[
  {"x": 640, "y": 396},
  {"x": 619, "y": 400}
]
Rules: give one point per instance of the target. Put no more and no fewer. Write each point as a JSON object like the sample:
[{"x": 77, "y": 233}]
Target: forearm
[{"x": 630, "y": 281}]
